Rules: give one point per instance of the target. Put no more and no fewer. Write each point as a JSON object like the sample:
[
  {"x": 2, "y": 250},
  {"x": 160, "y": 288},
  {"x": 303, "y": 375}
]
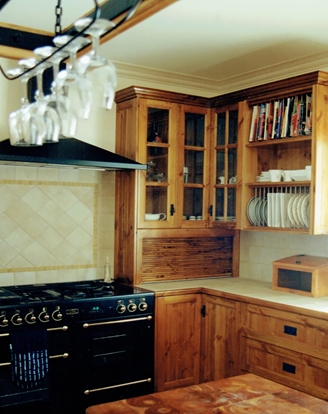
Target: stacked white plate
[
  {"x": 257, "y": 211},
  {"x": 299, "y": 210},
  {"x": 263, "y": 177}
]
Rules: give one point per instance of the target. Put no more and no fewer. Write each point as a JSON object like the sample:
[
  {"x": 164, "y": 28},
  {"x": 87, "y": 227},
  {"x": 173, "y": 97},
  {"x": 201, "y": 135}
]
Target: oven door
[
  {"x": 49, "y": 395},
  {"x": 115, "y": 359}
]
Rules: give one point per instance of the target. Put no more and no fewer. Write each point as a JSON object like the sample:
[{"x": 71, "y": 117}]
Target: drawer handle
[
  {"x": 290, "y": 330},
  {"x": 289, "y": 368}
]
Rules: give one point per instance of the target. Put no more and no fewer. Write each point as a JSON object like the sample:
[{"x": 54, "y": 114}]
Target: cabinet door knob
[{"x": 172, "y": 210}]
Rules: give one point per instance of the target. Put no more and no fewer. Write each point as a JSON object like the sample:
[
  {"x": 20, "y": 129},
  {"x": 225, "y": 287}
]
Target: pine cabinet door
[
  {"x": 220, "y": 338},
  {"x": 177, "y": 341}
]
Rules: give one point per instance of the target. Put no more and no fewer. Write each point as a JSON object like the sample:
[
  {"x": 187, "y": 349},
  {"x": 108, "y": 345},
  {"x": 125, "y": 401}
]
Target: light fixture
[{"x": 48, "y": 118}]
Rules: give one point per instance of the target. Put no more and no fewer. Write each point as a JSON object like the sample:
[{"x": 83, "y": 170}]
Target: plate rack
[{"x": 285, "y": 206}]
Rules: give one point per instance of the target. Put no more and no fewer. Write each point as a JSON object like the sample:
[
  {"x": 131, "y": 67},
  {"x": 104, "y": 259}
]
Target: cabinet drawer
[
  {"x": 291, "y": 368},
  {"x": 304, "y": 332}
]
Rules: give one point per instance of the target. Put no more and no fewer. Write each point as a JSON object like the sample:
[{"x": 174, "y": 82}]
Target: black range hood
[{"x": 68, "y": 152}]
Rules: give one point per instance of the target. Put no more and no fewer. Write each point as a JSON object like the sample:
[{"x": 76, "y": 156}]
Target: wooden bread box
[{"x": 301, "y": 274}]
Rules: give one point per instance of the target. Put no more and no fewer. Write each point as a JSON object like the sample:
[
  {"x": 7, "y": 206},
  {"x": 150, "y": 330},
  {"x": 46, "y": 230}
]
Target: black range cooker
[{"x": 66, "y": 346}]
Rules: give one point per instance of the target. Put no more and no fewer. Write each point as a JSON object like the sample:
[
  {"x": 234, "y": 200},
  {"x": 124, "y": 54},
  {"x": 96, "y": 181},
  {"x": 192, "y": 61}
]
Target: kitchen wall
[{"x": 32, "y": 189}]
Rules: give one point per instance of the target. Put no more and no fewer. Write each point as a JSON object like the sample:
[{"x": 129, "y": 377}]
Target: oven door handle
[
  {"x": 61, "y": 328},
  {"x": 87, "y": 392},
  {"x": 64, "y": 355},
  {"x": 143, "y": 318}
]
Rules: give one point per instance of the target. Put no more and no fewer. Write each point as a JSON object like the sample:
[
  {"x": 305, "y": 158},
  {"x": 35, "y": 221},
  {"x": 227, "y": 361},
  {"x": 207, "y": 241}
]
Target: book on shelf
[
  {"x": 275, "y": 118},
  {"x": 308, "y": 115},
  {"x": 261, "y": 123},
  {"x": 282, "y": 118},
  {"x": 254, "y": 121}
]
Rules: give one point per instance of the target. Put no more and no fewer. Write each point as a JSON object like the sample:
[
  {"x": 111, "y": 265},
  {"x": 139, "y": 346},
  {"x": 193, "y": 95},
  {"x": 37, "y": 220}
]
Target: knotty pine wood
[
  {"x": 220, "y": 338},
  {"x": 177, "y": 341},
  {"x": 310, "y": 374},
  {"x": 186, "y": 258},
  {"x": 272, "y": 337}
]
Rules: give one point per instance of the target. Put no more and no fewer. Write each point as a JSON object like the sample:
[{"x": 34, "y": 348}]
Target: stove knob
[
  {"x": 121, "y": 308},
  {"x": 132, "y": 307},
  {"x": 57, "y": 315},
  {"x": 143, "y": 306},
  {"x": 30, "y": 318},
  {"x": 3, "y": 320},
  {"x": 16, "y": 319},
  {"x": 44, "y": 317}
]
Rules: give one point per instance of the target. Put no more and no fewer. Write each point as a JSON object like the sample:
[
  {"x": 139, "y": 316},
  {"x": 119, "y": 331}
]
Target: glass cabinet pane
[
  {"x": 156, "y": 200},
  {"x": 193, "y": 204},
  {"x": 232, "y": 165},
  {"x": 221, "y": 128},
  {"x": 194, "y": 129},
  {"x": 233, "y": 126},
  {"x": 157, "y": 168},
  {"x": 220, "y": 166},
  {"x": 231, "y": 215},
  {"x": 158, "y": 127},
  {"x": 219, "y": 204},
  {"x": 194, "y": 165}
]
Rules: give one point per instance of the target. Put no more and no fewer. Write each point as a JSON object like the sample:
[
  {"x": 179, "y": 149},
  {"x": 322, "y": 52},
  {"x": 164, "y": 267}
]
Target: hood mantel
[{"x": 68, "y": 152}]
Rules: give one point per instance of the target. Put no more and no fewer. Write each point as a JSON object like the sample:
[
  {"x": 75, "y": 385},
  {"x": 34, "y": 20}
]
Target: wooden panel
[
  {"x": 186, "y": 257},
  {"x": 296, "y": 331},
  {"x": 177, "y": 343},
  {"x": 220, "y": 342},
  {"x": 288, "y": 367}
]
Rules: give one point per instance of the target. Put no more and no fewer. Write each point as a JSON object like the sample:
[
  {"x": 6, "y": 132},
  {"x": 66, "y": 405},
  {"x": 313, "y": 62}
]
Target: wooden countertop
[
  {"x": 244, "y": 393},
  {"x": 248, "y": 290}
]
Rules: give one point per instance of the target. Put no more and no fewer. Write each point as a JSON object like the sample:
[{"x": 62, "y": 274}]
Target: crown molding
[{"x": 210, "y": 87}]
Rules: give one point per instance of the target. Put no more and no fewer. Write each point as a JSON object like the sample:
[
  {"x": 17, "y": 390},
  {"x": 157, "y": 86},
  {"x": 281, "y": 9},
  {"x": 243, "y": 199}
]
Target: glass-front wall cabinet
[
  {"x": 225, "y": 164},
  {"x": 195, "y": 166},
  {"x": 156, "y": 198}
]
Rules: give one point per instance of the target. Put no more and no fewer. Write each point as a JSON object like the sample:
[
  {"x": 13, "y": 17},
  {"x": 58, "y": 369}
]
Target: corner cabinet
[
  {"x": 300, "y": 204},
  {"x": 165, "y": 225},
  {"x": 196, "y": 339}
]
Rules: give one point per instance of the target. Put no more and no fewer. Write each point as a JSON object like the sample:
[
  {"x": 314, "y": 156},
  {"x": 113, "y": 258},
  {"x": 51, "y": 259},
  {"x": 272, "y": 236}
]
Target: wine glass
[
  {"x": 57, "y": 100},
  {"x": 26, "y": 128},
  {"x": 41, "y": 107},
  {"x": 100, "y": 70},
  {"x": 72, "y": 81}
]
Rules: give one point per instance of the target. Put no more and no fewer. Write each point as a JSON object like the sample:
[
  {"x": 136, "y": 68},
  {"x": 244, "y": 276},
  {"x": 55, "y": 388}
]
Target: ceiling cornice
[{"x": 210, "y": 88}]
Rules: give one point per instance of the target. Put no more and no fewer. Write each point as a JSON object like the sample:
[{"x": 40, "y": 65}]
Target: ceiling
[{"x": 214, "y": 42}]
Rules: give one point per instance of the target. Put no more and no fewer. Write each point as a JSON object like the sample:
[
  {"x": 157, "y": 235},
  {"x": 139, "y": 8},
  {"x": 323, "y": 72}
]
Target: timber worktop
[
  {"x": 244, "y": 393},
  {"x": 247, "y": 290}
]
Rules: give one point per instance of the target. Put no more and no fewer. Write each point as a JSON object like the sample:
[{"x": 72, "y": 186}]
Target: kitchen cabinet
[
  {"x": 172, "y": 133},
  {"x": 219, "y": 338},
  {"x": 224, "y": 161},
  {"x": 196, "y": 339},
  {"x": 302, "y": 203},
  {"x": 287, "y": 347},
  {"x": 177, "y": 341}
]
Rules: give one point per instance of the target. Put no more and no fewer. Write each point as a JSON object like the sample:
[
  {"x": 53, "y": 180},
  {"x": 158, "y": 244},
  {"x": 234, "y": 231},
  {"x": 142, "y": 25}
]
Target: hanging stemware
[
  {"x": 26, "y": 128},
  {"x": 40, "y": 107},
  {"x": 71, "y": 81},
  {"x": 98, "y": 69},
  {"x": 57, "y": 100}
]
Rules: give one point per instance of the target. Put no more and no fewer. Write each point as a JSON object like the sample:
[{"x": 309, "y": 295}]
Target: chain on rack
[{"x": 58, "y": 13}]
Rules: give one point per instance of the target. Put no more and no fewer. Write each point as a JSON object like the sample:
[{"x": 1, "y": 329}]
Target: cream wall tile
[
  {"x": 7, "y": 279},
  {"x": 46, "y": 276},
  {"x": 7, "y": 226},
  {"x": 79, "y": 212},
  {"x": 25, "y": 278},
  {"x": 19, "y": 239},
  {"x": 88, "y": 274},
  {"x": 26, "y": 173},
  {"x": 7, "y": 254},
  {"x": 48, "y": 174},
  {"x": 19, "y": 262},
  {"x": 88, "y": 176},
  {"x": 69, "y": 275},
  {"x": 7, "y": 172},
  {"x": 68, "y": 175},
  {"x": 35, "y": 198}
]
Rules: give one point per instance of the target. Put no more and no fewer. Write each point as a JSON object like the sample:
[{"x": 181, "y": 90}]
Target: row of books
[{"x": 288, "y": 117}]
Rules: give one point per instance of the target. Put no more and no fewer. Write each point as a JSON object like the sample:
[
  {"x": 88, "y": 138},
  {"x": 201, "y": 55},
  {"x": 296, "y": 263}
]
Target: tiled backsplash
[
  {"x": 55, "y": 224},
  {"x": 259, "y": 249}
]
